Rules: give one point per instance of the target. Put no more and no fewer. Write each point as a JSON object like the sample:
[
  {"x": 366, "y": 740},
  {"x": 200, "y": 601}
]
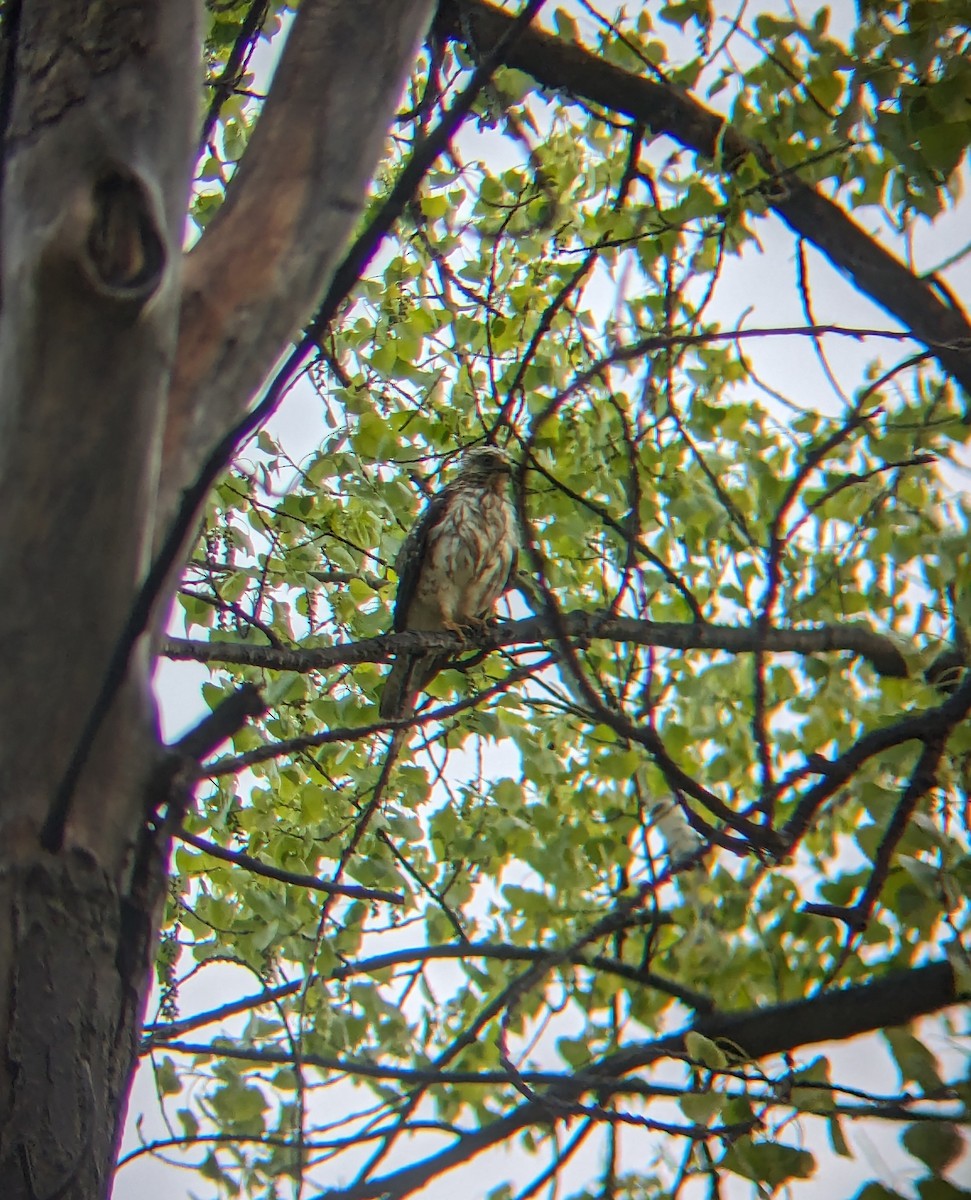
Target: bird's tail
[{"x": 409, "y": 674}]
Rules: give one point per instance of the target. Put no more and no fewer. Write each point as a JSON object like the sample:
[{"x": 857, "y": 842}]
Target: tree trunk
[
  {"x": 93, "y": 207},
  {"x": 80, "y": 960}
]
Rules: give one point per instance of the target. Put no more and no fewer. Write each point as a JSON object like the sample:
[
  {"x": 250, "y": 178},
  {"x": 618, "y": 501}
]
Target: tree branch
[
  {"x": 296, "y": 879},
  {"x": 665, "y": 109},
  {"x": 245, "y": 704},
  {"x": 882, "y": 654},
  {"x": 236, "y": 60},
  {"x": 925, "y": 725},
  {"x": 835, "y": 1016},
  {"x": 923, "y": 779},
  {"x": 367, "y": 1069}
]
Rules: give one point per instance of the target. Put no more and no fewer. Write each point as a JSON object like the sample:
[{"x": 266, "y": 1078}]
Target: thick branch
[
  {"x": 885, "y": 658},
  {"x": 665, "y": 109},
  {"x": 228, "y": 718},
  {"x": 894, "y": 1000}
]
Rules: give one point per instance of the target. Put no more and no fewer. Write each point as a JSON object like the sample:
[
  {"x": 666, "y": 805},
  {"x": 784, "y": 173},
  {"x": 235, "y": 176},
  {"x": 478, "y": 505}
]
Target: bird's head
[{"x": 485, "y": 464}]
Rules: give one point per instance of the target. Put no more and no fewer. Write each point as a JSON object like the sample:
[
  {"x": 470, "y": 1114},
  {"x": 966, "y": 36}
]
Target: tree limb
[
  {"x": 158, "y": 1034},
  {"x": 236, "y": 60},
  {"x": 245, "y": 704},
  {"x": 894, "y": 1000},
  {"x": 665, "y": 109},
  {"x": 925, "y": 725},
  {"x": 882, "y": 654},
  {"x": 296, "y": 879},
  {"x": 93, "y": 212}
]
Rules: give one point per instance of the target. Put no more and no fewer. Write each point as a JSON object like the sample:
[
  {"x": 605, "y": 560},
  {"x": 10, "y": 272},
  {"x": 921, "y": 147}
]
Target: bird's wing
[
  {"x": 513, "y": 568},
  {"x": 410, "y": 672},
  {"x": 411, "y": 556}
]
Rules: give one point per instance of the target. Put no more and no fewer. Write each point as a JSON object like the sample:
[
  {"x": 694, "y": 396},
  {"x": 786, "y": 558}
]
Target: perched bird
[{"x": 453, "y": 567}]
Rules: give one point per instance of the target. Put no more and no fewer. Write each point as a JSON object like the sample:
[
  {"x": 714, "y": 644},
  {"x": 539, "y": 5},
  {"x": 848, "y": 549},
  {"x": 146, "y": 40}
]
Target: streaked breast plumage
[{"x": 453, "y": 567}]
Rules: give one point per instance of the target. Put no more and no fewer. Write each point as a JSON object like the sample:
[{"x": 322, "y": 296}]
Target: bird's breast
[{"x": 470, "y": 554}]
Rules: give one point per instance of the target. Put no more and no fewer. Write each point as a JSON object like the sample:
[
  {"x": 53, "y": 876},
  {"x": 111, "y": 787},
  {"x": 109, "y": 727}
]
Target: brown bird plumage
[{"x": 453, "y": 567}]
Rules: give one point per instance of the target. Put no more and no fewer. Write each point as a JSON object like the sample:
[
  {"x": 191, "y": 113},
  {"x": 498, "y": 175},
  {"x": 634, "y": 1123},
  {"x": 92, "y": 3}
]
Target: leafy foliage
[{"x": 561, "y": 282}]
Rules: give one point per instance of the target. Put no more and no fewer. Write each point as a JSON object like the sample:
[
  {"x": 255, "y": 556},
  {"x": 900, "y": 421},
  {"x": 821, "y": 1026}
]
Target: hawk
[{"x": 453, "y": 567}]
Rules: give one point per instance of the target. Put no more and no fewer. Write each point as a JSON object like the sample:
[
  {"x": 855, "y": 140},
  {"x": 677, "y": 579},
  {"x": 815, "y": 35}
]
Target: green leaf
[
  {"x": 373, "y": 439},
  {"x": 189, "y": 1122},
  {"x": 701, "y": 1107},
  {"x": 167, "y": 1078},
  {"x": 435, "y": 206},
  {"x": 768, "y": 1162},
  {"x": 935, "y": 1143},
  {"x": 807, "y": 1098},
  {"x": 914, "y": 1060},
  {"x": 836, "y": 1138},
  {"x": 932, "y": 1187},
  {"x": 703, "y": 1050}
]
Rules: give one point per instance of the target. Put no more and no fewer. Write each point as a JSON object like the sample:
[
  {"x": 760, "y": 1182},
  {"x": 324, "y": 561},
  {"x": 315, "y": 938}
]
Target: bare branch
[
  {"x": 881, "y": 652},
  {"x": 926, "y": 726},
  {"x": 254, "y": 865},
  {"x": 923, "y": 780}
]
